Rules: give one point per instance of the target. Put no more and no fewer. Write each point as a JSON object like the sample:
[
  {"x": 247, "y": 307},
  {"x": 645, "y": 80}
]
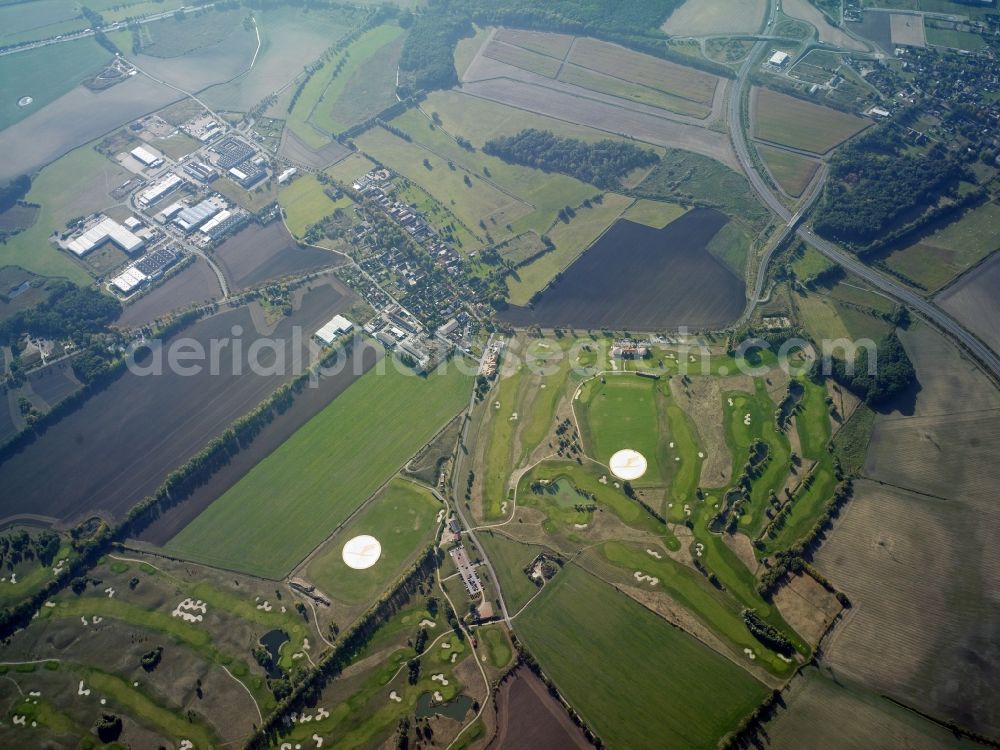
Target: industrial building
[
  {"x": 155, "y": 263},
  {"x": 200, "y": 171},
  {"x": 158, "y": 190},
  {"x": 232, "y": 152},
  {"x": 170, "y": 212},
  {"x": 192, "y": 217},
  {"x": 104, "y": 230},
  {"x": 779, "y": 59},
  {"x": 336, "y": 326},
  {"x": 248, "y": 174},
  {"x": 146, "y": 157},
  {"x": 128, "y": 281},
  {"x": 286, "y": 175}
]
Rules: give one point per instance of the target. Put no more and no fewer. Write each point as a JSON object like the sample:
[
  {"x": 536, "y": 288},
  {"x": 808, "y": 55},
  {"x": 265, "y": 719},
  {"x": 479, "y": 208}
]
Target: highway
[{"x": 986, "y": 357}]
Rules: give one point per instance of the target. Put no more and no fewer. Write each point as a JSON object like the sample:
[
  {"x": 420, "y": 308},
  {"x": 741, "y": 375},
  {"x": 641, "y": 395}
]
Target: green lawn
[
  {"x": 935, "y": 260},
  {"x": 731, "y": 245},
  {"x": 793, "y": 122},
  {"x": 963, "y": 40},
  {"x": 570, "y": 239},
  {"x": 365, "y": 85},
  {"x": 509, "y": 559},
  {"x": 71, "y": 187},
  {"x": 45, "y": 74},
  {"x": 655, "y": 214},
  {"x": 305, "y": 203},
  {"x": 792, "y": 172},
  {"x": 623, "y": 412},
  {"x": 298, "y": 495},
  {"x": 402, "y": 517},
  {"x": 638, "y": 681}
]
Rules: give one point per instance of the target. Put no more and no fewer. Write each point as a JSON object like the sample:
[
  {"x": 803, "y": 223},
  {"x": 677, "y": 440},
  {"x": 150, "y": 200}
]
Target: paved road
[{"x": 986, "y": 356}]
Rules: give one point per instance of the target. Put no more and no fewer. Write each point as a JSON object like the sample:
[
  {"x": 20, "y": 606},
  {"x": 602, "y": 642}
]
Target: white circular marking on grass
[
  {"x": 362, "y": 552},
  {"x": 628, "y": 464},
  {"x": 24, "y": 101}
]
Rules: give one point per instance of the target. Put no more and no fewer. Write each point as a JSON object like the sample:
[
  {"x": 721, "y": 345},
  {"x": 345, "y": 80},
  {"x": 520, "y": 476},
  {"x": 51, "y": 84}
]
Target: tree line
[{"x": 602, "y": 163}]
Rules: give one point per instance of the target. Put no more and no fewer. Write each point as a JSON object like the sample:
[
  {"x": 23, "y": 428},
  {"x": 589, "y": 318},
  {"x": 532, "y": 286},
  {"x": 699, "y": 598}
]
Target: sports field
[
  {"x": 796, "y": 123},
  {"x": 45, "y": 74},
  {"x": 625, "y": 412},
  {"x": 299, "y": 494},
  {"x": 402, "y": 518},
  {"x": 792, "y": 171},
  {"x": 638, "y": 681}
]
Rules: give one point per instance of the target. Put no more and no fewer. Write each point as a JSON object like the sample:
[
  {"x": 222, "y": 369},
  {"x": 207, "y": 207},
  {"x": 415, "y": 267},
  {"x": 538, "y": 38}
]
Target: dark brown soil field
[
  {"x": 640, "y": 278},
  {"x": 876, "y": 28},
  {"x": 259, "y": 254},
  {"x": 193, "y": 285},
  {"x": 54, "y": 383},
  {"x": 527, "y": 716},
  {"x": 306, "y": 405},
  {"x": 973, "y": 301},
  {"x": 120, "y": 444},
  {"x": 298, "y": 152}
]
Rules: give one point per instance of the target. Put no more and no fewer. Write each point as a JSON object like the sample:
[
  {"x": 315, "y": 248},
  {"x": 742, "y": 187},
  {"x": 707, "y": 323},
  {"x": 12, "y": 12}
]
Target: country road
[{"x": 985, "y": 356}]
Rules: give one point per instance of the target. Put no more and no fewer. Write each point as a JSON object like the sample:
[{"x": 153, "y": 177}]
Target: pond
[
  {"x": 273, "y": 640},
  {"x": 454, "y": 709}
]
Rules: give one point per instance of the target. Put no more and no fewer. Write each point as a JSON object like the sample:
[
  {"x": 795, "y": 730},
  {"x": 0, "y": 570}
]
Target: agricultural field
[
  {"x": 305, "y": 203},
  {"x": 403, "y": 517},
  {"x": 258, "y": 254},
  {"x": 827, "y": 32},
  {"x": 196, "y": 284},
  {"x": 815, "y": 704},
  {"x": 65, "y": 190},
  {"x": 337, "y": 449},
  {"x": 173, "y": 37},
  {"x": 972, "y": 300},
  {"x": 523, "y": 58},
  {"x": 644, "y": 292},
  {"x": 933, "y": 462},
  {"x": 577, "y": 629},
  {"x": 695, "y": 18},
  {"x": 655, "y": 214},
  {"x": 941, "y": 254},
  {"x": 44, "y": 76},
  {"x": 960, "y": 40},
  {"x": 570, "y": 239},
  {"x": 188, "y": 407},
  {"x": 791, "y": 171},
  {"x": 528, "y": 716},
  {"x": 798, "y": 124}
]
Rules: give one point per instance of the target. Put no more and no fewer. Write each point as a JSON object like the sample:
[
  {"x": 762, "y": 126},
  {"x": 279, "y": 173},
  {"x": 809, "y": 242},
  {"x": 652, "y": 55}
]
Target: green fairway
[
  {"x": 402, "y": 518},
  {"x": 299, "y": 494},
  {"x": 638, "y": 681},
  {"x": 45, "y": 74},
  {"x": 71, "y": 187},
  {"x": 624, "y": 412}
]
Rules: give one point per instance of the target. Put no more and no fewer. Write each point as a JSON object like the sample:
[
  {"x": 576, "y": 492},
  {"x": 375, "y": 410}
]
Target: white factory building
[
  {"x": 127, "y": 281},
  {"x": 104, "y": 230},
  {"x": 146, "y": 157},
  {"x": 779, "y": 59},
  {"x": 152, "y": 194},
  {"x": 336, "y": 326},
  {"x": 190, "y": 218}
]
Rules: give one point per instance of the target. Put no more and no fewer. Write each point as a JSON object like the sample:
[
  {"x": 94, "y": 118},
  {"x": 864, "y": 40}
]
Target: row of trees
[
  {"x": 876, "y": 376},
  {"x": 602, "y": 163},
  {"x": 14, "y": 191}
]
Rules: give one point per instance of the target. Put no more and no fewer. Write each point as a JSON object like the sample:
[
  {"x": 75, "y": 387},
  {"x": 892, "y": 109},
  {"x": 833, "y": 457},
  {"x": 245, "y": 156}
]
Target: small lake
[
  {"x": 273, "y": 640},
  {"x": 454, "y": 709}
]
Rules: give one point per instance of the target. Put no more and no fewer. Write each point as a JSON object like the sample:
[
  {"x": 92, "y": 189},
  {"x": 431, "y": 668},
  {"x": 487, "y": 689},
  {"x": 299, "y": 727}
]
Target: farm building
[
  {"x": 779, "y": 59},
  {"x": 146, "y": 157},
  {"x": 336, "y": 326},
  {"x": 104, "y": 230},
  {"x": 167, "y": 185}
]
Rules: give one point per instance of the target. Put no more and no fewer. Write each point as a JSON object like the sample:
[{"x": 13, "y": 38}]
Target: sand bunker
[
  {"x": 440, "y": 678},
  {"x": 362, "y": 552},
  {"x": 640, "y": 577},
  {"x": 186, "y": 608},
  {"x": 654, "y": 553}
]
